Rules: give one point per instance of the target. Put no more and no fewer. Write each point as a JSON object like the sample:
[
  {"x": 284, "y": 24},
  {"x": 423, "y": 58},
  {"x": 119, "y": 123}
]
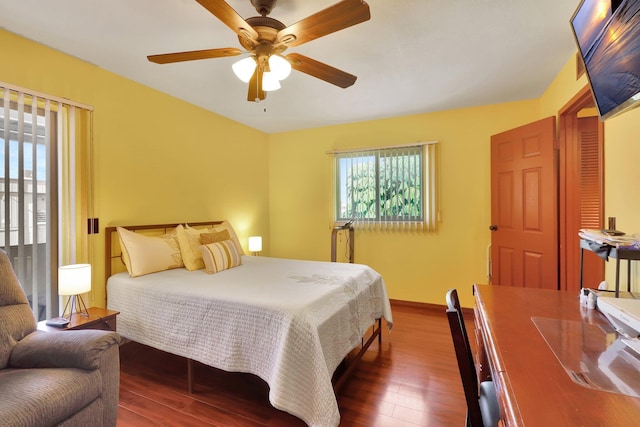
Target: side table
[
  {"x": 99, "y": 318},
  {"x": 617, "y": 254},
  {"x": 334, "y": 235}
]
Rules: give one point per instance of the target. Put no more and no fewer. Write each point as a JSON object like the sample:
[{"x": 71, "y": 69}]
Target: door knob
[{"x": 493, "y": 227}]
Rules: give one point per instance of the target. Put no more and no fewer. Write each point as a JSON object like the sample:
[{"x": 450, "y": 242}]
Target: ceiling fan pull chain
[{"x": 258, "y": 87}]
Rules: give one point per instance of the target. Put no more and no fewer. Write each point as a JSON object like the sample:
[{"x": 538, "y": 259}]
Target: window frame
[{"x": 426, "y": 201}]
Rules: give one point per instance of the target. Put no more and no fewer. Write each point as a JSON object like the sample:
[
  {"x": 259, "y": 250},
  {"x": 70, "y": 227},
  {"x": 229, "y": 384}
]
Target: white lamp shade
[
  {"x": 280, "y": 67},
  {"x": 255, "y": 243},
  {"x": 74, "y": 279},
  {"x": 269, "y": 82},
  {"x": 244, "y": 69}
]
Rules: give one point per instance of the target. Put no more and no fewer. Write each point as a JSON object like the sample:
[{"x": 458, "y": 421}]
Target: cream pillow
[
  {"x": 220, "y": 256},
  {"x": 189, "y": 241},
  {"x": 144, "y": 254}
]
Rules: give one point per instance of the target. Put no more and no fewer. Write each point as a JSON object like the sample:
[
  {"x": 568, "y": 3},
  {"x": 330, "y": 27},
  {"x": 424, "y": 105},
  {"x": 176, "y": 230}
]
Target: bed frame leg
[
  {"x": 190, "y": 375},
  {"x": 376, "y": 332}
]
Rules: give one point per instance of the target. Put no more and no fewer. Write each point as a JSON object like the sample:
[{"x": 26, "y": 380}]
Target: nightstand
[{"x": 99, "y": 318}]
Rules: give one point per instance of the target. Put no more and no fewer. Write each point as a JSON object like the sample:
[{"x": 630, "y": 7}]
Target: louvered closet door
[{"x": 591, "y": 184}]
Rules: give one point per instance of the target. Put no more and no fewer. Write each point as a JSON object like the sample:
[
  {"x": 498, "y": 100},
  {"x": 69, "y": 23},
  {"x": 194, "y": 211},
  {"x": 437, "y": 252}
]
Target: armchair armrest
[{"x": 69, "y": 349}]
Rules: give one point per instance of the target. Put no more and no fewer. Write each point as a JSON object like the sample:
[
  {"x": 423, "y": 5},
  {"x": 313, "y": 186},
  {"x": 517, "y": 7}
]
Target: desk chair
[{"x": 482, "y": 403}]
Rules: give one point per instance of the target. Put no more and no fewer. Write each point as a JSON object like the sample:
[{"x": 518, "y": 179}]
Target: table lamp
[
  {"x": 255, "y": 244},
  {"x": 74, "y": 280}
]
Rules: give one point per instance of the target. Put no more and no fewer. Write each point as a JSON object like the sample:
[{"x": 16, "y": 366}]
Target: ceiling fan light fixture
[
  {"x": 265, "y": 38},
  {"x": 270, "y": 82},
  {"x": 280, "y": 67},
  {"x": 244, "y": 68}
]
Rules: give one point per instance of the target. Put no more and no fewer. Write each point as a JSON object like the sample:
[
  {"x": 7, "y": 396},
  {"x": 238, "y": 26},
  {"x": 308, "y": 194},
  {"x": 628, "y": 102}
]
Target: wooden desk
[{"x": 532, "y": 386}]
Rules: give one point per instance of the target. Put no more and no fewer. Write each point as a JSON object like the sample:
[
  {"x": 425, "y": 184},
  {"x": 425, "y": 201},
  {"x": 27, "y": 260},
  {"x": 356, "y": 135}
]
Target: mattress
[{"x": 290, "y": 322}]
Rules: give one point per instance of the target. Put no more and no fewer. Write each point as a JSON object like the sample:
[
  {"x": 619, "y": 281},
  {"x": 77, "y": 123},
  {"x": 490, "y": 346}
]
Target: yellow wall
[
  {"x": 564, "y": 87},
  {"x": 158, "y": 159},
  {"x": 622, "y": 175},
  {"x": 419, "y": 266},
  {"x": 416, "y": 266},
  {"x": 621, "y": 154}
]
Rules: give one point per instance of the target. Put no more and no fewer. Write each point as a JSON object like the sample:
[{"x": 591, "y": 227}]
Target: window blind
[
  {"x": 387, "y": 187},
  {"x": 40, "y": 139}
]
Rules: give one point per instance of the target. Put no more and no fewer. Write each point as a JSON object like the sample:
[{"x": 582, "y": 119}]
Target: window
[
  {"x": 385, "y": 186},
  {"x": 25, "y": 188},
  {"x": 39, "y": 190}
]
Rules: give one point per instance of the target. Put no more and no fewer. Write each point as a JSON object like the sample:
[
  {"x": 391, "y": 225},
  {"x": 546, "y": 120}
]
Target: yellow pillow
[
  {"x": 145, "y": 254},
  {"x": 220, "y": 256},
  {"x": 189, "y": 241},
  {"x": 215, "y": 236}
]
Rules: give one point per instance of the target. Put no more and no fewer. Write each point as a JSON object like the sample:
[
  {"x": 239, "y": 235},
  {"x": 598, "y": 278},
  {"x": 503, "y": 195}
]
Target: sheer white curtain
[
  {"x": 45, "y": 154},
  {"x": 432, "y": 199}
]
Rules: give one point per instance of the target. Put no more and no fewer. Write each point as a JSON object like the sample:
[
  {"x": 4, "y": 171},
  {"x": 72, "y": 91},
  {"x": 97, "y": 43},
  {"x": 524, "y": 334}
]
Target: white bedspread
[{"x": 290, "y": 322}]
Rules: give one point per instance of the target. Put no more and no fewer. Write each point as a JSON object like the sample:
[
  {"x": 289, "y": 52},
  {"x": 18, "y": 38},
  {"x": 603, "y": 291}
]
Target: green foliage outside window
[{"x": 380, "y": 185}]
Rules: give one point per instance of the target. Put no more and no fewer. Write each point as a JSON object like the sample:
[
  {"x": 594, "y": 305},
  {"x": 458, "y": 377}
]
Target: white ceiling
[{"x": 413, "y": 56}]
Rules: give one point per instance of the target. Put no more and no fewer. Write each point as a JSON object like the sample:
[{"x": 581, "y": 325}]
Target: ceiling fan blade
[
  {"x": 167, "y": 58},
  {"x": 321, "y": 71},
  {"x": 255, "y": 92},
  {"x": 225, "y": 13},
  {"x": 334, "y": 18}
]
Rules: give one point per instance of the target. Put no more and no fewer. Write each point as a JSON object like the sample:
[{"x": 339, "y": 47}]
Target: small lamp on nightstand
[
  {"x": 74, "y": 280},
  {"x": 255, "y": 244}
]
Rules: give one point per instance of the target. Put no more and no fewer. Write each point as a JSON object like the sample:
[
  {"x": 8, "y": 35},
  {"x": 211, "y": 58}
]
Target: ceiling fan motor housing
[
  {"x": 267, "y": 29},
  {"x": 263, "y": 6}
]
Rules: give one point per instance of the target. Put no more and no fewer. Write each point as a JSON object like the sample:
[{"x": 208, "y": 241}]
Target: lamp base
[{"x": 77, "y": 306}]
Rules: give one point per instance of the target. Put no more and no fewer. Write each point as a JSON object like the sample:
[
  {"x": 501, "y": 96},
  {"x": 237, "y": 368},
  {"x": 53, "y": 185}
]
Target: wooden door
[
  {"x": 524, "y": 238},
  {"x": 581, "y": 188},
  {"x": 590, "y": 191}
]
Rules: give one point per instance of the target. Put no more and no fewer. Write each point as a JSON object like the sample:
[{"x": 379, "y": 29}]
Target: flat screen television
[{"x": 607, "y": 33}]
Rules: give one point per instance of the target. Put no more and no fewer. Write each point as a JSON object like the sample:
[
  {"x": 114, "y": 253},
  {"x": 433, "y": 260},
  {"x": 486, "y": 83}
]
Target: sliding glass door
[{"x": 28, "y": 212}]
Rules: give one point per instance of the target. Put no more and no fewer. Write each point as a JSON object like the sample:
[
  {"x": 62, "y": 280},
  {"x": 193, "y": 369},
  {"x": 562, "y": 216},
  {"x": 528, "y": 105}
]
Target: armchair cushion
[
  {"x": 16, "y": 322},
  {"x": 69, "y": 349},
  {"x": 38, "y": 397},
  {"x": 16, "y": 319},
  {"x": 67, "y": 378}
]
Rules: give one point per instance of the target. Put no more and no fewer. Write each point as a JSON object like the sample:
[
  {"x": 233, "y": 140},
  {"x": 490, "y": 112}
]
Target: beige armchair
[{"x": 69, "y": 378}]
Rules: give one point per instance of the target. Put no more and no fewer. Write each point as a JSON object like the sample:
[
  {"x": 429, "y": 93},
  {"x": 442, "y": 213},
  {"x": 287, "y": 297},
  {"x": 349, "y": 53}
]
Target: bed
[{"x": 290, "y": 322}]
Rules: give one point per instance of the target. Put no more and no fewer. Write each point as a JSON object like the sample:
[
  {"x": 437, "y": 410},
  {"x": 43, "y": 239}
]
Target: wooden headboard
[{"x": 113, "y": 253}]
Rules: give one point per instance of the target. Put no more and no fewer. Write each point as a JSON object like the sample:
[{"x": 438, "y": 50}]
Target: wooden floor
[{"x": 412, "y": 380}]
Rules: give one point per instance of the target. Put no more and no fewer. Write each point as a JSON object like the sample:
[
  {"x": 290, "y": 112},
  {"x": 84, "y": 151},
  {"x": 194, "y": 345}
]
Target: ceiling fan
[{"x": 265, "y": 39}]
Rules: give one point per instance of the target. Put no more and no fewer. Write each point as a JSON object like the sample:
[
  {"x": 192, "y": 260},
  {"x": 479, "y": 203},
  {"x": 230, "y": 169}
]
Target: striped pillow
[{"x": 220, "y": 256}]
